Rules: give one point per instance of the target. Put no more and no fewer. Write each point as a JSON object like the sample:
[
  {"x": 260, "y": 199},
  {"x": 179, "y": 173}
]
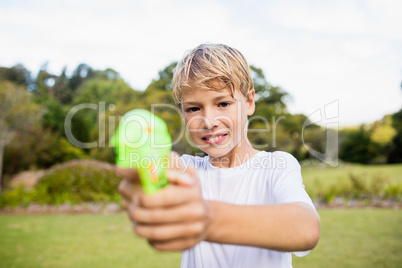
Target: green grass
[
  {"x": 76, "y": 241},
  {"x": 349, "y": 238},
  {"x": 356, "y": 238},
  {"x": 376, "y": 178},
  {"x": 332, "y": 175}
]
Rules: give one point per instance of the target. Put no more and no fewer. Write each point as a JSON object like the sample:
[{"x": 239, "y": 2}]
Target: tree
[
  {"x": 17, "y": 112},
  {"x": 112, "y": 97},
  {"x": 357, "y": 147},
  {"x": 101, "y": 89},
  {"x": 164, "y": 81},
  {"x": 61, "y": 90},
  {"x": 44, "y": 82},
  {"x": 80, "y": 74},
  {"x": 395, "y": 155},
  {"x": 17, "y": 74},
  {"x": 266, "y": 93},
  {"x": 53, "y": 116},
  {"x": 46, "y": 148}
]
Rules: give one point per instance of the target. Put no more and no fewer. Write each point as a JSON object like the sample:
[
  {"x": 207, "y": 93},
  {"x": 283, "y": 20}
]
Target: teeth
[{"x": 214, "y": 138}]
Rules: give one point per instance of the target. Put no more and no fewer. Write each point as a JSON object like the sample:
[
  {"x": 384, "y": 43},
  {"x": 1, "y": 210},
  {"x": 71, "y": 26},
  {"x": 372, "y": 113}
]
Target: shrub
[
  {"x": 357, "y": 188},
  {"x": 394, "y": 192},
  {"x": 73, "y": 182},
  {"x": 79, "y": 181},
  {"x": 14, "y": 198}
]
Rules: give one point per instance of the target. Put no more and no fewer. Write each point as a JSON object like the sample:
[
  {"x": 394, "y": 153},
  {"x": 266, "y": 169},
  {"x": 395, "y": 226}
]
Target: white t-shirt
[{"x": 266, "y": 178}]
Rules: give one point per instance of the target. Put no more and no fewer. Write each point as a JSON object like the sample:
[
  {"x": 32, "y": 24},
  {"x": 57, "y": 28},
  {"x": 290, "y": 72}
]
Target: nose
[{"x": 209, "y": 119}]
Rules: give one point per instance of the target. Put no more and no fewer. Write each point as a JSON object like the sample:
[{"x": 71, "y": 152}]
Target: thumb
[
  {"x": 130, "y": 174},
  {"x": 178, "y": 174}
]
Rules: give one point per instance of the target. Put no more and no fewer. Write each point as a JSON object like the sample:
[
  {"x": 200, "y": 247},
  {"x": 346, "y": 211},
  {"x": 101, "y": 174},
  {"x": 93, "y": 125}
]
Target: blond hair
[{"x": 209, "y": 62}]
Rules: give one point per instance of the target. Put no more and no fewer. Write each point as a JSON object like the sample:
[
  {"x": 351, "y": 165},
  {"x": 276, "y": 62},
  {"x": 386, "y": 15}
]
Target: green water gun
[{"x": 142, "y": 141}]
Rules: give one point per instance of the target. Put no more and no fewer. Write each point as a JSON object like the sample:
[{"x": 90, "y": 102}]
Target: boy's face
[{"x": 217, "y": 123}]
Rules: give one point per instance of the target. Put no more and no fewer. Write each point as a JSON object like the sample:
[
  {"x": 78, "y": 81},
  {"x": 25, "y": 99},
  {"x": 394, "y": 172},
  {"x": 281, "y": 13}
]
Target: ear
[{"x": 250, "y": 102}]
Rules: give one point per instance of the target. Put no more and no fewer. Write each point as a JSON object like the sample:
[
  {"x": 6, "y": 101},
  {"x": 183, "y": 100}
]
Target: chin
[{"x": 218, "y": 152}]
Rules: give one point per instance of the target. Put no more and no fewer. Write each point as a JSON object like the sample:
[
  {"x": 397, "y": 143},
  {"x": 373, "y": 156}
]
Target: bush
[
  {"x": 14, "y": 198},
  {"x": 357, "y": 188},
  {"x": 79, "y": 181},
  {"x": 73, "y": 182}
]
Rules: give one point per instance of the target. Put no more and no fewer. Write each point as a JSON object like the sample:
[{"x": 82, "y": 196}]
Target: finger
[
  {"x": 124, "y": 204},
  {"x": 169, "y": 231},
  {"x": 174, "y": 244},
  {"x": 131, "y": 208},
  {"x": 174, "y": 162},
  {"x": 130, "y": 174},
  {"x": 187, "y": 213},
  {"x": 128, "y": 189},
  {"x": 171, "y": 195},
  {"x": 125, "y": 189},
  {"x": 179, "y": 178}
]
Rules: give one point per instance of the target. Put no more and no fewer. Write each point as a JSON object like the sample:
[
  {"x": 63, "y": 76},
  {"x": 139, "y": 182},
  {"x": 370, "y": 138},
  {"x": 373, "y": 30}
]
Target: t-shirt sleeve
[
  {"x": 289, "y": 187},
  {"x": 187, "y": 161},
  {"x": 288, "y": 182}
]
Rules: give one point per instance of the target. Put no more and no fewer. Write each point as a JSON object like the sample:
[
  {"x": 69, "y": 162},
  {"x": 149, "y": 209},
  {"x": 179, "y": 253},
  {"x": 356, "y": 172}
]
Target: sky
[{"x": 344, "y": 52}]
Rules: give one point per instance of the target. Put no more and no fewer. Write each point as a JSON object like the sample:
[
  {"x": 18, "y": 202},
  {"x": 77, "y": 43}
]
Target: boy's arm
[
  {"x": 283, "y": 227},
  {"x": 177, "y": 218}
]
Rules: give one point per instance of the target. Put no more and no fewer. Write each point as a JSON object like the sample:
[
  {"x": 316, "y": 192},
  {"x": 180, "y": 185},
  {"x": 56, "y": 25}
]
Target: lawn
[
  {"x": 380, "y": 180},
  {"x": 349, "y": 238},
  {"x": 81, "y": 240},
  {"x": 331, "y": 175},
  {"x": 356, "y": 238}
]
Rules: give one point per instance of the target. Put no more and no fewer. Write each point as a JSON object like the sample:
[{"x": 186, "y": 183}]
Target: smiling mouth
[{"x": 214, "y": 139}]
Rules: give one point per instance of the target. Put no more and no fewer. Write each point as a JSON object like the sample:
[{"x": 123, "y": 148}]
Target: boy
[{"x": 236, "y": 207}]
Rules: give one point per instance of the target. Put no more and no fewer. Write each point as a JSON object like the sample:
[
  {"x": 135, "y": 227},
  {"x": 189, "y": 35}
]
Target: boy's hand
[{"x": 174, "y": 218}]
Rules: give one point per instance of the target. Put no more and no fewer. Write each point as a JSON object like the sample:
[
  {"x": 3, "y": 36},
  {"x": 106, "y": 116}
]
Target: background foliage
[
  {"x": 36, "y": 138},
  {"x": 74, "y": 182}
]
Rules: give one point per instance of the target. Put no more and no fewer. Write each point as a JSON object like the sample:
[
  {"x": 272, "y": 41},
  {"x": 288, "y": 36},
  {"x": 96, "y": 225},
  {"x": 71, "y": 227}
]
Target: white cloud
[
  {"x": 340, "y": 17},
  {"x": 136, "y": 40},
  {"x": 318, "y": 51},
  {"x": 387, "y": 19}
]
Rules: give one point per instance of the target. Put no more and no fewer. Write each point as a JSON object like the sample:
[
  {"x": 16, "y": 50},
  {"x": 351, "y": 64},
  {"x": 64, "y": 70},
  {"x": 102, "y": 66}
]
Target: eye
[
  {"x": 224, "y": 104},
  {"x": 192, "y": 109}
]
